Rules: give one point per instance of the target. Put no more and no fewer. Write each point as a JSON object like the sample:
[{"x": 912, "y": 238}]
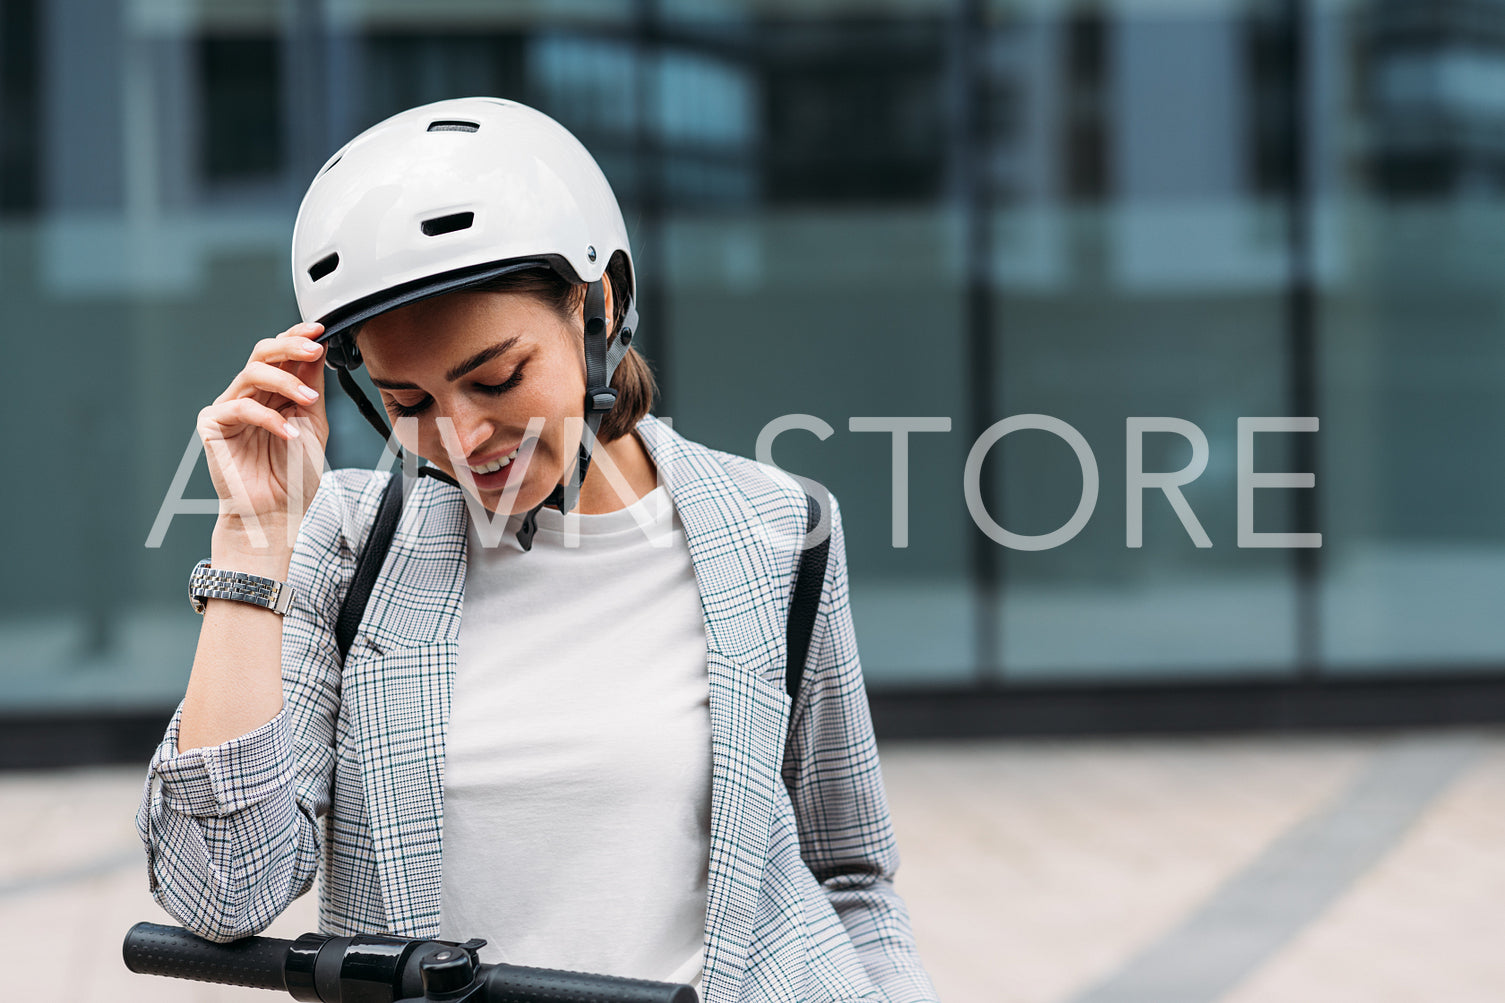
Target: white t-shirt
[{"x": 577, "y": 777}]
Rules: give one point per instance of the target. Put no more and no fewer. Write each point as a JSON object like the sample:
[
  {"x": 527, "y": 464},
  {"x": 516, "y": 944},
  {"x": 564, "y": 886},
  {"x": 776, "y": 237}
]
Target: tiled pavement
[{"x": 1360, "y": 869}]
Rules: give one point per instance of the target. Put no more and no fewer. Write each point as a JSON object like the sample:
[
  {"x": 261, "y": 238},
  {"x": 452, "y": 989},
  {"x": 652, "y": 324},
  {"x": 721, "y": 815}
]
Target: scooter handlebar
[
  {"x": 385, "y": 967},
  {"x": 255, "y": 962}
]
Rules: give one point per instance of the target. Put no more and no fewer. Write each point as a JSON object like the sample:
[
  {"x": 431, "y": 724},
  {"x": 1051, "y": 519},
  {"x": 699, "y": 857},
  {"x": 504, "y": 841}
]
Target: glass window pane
[
  {"x": 1141, "y": 272},
  {"x": 1412, "y": 351}
]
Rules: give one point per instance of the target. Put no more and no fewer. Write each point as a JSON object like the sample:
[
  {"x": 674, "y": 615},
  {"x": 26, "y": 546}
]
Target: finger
[
  {"x": 270, "y": 379},
  {"x": 311, "y": 371},
  {"x": 306, "y": 329},
  {"x": 296, "y": 344},
  {"x": 225, "y": 419},
  {"x": 318, "y": 365}
]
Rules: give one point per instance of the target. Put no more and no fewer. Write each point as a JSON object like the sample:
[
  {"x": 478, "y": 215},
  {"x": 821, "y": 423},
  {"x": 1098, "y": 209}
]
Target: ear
[{"x": 611, "y": 331}]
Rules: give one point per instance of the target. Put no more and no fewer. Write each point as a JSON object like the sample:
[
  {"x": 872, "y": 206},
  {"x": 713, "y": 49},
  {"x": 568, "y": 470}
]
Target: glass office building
[{"x": 866, "y": 213}]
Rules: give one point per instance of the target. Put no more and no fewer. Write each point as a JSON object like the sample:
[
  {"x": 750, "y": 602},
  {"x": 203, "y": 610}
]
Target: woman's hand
[{"x": 264, "y": 438}]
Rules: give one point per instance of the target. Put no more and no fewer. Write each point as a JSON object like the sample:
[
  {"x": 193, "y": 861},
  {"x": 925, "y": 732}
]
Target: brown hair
[{"x": 633, "y": 379}]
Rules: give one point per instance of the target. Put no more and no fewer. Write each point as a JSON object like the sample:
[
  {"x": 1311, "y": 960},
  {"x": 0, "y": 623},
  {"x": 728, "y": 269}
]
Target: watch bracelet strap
[{"x": 215, "y": 583}]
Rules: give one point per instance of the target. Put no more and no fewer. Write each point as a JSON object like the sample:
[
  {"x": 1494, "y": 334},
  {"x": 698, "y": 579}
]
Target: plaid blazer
[{"x": 348, "y": 777}]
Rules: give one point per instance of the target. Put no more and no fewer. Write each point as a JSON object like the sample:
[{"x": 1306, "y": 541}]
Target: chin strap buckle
[
  {"x": 558, "y": 498},
  {"x": 600, "y": 399},
  {"x": 527, "y": 529}
]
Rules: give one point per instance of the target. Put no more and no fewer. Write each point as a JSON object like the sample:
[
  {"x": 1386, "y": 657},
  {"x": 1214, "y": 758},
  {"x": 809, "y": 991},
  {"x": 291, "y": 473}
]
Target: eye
[
  {"x": 413, "y": 410},
  {"x": 409, "y": 410},
  {"x": 501, "y": 388}
]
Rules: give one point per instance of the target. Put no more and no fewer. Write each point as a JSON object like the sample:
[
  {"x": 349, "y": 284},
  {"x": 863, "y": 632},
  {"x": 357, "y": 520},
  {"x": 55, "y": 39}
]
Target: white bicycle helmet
[{"x": 447, "y": 196}]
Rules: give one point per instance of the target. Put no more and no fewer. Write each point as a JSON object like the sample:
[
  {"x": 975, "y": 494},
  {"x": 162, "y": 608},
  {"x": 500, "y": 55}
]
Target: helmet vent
[
  {"x": 453, "y": 125},
  {"x": 448, "y": 224},
  {"x": 323, "y": 266}
]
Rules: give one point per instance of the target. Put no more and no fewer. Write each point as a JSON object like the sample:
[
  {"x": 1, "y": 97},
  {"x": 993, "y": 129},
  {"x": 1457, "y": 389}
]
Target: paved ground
[{"x": 1316, "y": 870}]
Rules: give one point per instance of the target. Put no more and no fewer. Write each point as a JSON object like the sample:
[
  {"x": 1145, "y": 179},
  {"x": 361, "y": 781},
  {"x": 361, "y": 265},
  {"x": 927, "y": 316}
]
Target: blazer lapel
[
  {"x": 749, "y": 710},
  {"x": 398, "y": 679}
]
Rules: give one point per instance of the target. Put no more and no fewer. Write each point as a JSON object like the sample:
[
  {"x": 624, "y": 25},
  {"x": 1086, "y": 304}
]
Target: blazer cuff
[{"x": 219, "y": 780}]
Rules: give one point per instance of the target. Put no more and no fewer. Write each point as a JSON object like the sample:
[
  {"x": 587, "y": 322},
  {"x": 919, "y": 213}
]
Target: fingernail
[
  {"x": 292, "y": 433},
  {"x": 308, "y": 393}
]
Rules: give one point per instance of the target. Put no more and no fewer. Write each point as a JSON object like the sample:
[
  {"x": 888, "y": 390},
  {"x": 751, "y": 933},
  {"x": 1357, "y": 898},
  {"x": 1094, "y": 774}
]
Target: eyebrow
[{"x": 477, "y": 360}]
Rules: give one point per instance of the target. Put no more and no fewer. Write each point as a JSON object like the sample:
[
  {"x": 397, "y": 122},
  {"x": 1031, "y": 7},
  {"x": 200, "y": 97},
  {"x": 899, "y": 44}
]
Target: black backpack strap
[
  {"x": 805, "y": 602},
  {"x": 803, "y": 605},
  {"x": 368, "y": 568}
]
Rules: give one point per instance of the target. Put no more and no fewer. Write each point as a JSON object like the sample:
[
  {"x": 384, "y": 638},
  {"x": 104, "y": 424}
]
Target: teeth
[{"x": 495, "y": 465}]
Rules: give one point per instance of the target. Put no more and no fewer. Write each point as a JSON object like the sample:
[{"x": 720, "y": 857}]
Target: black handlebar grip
[
  {"x": 255, "y": 962},
  {"x": 518, "y": 984}
]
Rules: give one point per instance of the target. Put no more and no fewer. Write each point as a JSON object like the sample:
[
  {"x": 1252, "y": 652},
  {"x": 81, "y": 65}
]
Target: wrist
[{"x": 233, "y": 550}]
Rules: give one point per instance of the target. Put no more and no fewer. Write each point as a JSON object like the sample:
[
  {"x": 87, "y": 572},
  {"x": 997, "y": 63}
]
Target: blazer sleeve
[
  {"x": 232, "y": 832},
  {"x": 831, "y": 770}
]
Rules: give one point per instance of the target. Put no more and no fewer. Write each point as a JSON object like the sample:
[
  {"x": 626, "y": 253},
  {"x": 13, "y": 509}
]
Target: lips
[
  {"x": 496, "y": 479},
  {"x": 493, "y": 464}
]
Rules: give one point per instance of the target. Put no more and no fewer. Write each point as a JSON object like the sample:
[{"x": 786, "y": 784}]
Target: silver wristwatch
[{"x": 212, "y": 583}]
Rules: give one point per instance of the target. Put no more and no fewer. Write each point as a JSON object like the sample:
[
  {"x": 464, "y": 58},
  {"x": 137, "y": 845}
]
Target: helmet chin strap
[{"x": 600, "y": 363}]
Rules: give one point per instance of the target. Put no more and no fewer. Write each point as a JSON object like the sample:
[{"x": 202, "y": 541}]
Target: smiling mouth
[{"x": 492, "y": 466}]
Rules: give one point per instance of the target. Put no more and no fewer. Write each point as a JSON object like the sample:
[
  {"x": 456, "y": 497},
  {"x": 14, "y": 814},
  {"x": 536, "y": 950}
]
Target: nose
[{"x": 473, "y": 427}]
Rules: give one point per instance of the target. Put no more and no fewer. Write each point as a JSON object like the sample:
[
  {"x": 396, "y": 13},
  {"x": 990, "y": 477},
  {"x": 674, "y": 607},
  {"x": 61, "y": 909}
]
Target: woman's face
[{"x": 473, "y": 368}]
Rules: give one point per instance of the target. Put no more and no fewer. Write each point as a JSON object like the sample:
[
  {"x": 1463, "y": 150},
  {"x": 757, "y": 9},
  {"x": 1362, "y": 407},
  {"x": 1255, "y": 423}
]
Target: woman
[{"x": 600, "y": 748}]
